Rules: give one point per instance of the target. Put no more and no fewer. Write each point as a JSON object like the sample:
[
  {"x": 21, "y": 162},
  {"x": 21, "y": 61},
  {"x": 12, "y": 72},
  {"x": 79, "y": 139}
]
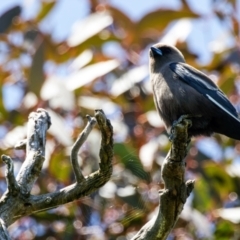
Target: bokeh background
[{"x": 71, "y": 57}]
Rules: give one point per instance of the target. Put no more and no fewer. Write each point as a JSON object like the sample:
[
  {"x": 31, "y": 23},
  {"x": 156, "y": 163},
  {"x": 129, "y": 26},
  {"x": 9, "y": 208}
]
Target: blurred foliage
[{"x": 89, "y": 70}]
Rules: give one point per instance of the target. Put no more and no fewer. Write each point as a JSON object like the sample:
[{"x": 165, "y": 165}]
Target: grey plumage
[{"x": 180, "y": 89}]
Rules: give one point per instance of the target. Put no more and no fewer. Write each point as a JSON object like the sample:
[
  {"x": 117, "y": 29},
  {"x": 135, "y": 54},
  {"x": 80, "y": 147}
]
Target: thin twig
[
  {"x": 77, "y": 145},
  {"x": 13, "y": 186}
]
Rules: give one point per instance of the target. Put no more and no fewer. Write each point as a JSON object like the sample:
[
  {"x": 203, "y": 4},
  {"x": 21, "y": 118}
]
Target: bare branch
[
  {"x": 79, "y": 142},
  {"x": 18, "y": 202},
  {"x": 106, "y": 151},
  {"x": 13, "y": 187},
  {"x": 38, "y": 124},
  {"x": 88, "y": 184},
  {"x": 3, "y": 231},
  {"x": 176, "y": 191}
]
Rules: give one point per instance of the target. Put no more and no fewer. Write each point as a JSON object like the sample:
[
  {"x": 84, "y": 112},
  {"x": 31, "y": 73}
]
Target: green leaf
[
  {"x": 133, "y": 216},
  {"x": 227, "y": 80},
  {"x": 224, "y": 230},
  {"x": 36, "y": 75},
  {"x": 130, "y": 160},
  {"x": 218, "y": 178},
  {"x": 60, "y": 167},
  {"x": 216, "y": 63},
  {"x": 202, "y": 198},
  {"x": 46, "y": 8},
  {"x": 134, "y": 200},
  {"x": 3, "y": 111}
]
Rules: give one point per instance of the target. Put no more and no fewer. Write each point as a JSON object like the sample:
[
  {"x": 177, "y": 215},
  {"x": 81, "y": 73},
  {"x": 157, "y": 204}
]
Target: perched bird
[{"x": 180, "y": 89}]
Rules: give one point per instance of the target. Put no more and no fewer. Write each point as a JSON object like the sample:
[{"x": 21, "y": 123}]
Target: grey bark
[
  {"x": 17, "y": 201},
  {"x": 176, "y": 191}
]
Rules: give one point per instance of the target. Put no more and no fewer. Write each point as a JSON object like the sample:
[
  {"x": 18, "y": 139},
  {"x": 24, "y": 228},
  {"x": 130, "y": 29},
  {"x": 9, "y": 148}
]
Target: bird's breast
[
  {"x": 173, "y": 98},
  {"x": 165, "y": 100}
]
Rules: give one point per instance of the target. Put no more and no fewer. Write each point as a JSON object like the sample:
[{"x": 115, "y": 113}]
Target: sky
[{"x": 205, "y": 34}]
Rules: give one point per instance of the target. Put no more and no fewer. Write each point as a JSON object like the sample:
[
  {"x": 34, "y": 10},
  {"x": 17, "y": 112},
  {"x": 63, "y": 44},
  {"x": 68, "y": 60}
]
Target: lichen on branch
[{"x": 176, "y": 191}]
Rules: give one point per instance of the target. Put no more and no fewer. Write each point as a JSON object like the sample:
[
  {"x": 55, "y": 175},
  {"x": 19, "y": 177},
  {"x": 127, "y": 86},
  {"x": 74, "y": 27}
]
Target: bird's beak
[{"x": 156, "y": 51}]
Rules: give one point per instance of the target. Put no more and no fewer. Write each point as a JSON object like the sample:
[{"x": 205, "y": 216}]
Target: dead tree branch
[
  {"x": 17, "y": 200},
  {"x": 176, "y": 191}
]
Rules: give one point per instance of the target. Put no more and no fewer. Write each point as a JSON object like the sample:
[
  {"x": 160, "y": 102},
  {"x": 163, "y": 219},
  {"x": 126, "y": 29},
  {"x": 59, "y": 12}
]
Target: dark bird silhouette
[{"x": 180, "y": 89}]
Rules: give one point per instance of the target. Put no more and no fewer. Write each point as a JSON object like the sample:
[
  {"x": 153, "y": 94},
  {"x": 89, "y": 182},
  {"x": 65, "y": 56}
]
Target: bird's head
[{"x": 161, "y": 54}]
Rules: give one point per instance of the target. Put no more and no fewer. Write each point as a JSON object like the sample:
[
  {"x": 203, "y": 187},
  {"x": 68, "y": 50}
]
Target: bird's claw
[{"x": 185, "y": 119}]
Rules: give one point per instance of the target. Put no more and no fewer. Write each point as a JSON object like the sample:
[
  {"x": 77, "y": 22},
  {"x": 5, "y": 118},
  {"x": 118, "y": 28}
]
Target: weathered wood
[
  {"x": 176, "y": 191},
  {"x": 17, "y": 201}
]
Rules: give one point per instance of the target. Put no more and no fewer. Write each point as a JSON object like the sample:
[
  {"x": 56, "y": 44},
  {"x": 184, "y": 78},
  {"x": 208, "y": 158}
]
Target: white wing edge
[{"x": 220, "y": 106}]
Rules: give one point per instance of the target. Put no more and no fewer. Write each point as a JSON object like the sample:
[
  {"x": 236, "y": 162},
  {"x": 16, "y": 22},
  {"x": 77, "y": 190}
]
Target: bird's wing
[{"x": 205, "y": 86}]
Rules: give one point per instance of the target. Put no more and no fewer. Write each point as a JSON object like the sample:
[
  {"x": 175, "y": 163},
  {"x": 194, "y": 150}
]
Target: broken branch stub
[{"x": 38, "y": 124}]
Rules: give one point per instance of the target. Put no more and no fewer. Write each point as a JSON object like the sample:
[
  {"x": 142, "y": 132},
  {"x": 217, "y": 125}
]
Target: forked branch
[{"x": 17, "y": 200}]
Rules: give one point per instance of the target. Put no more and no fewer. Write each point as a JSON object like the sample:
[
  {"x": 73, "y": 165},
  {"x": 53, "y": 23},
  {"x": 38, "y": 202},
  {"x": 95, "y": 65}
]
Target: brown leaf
[
  {"x": 125, "y": 27},
  {"x": 36, "y": 75},
  {"x": 159, "y": 19},
  {"x": 235, "y": 24}
]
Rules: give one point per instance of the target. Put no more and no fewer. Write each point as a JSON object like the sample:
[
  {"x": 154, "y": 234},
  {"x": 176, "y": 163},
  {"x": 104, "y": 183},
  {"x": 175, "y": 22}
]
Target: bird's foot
[{"x": 186, "y": 119}]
